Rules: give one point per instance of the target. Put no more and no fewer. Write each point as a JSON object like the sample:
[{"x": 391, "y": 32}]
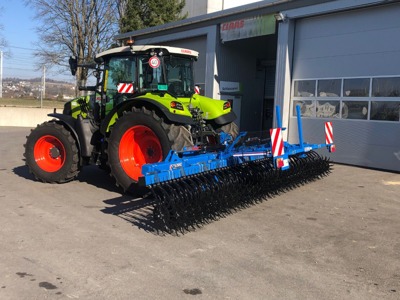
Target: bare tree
[{"x": 80, "y": 28}]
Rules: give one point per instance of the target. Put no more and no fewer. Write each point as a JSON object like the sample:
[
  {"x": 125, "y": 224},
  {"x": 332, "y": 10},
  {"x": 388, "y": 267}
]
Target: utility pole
[
  {"x": 43, "y": 89},
  {"x": 44, "y": 81},
  {"x": 1, "y": 74}
]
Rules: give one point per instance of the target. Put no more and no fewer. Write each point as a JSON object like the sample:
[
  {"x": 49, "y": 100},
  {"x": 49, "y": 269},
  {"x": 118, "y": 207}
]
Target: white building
[{"x": 201, "y": 7}]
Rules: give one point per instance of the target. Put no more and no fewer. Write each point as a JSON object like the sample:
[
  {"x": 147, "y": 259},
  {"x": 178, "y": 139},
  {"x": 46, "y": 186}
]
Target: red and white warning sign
[
  {"x": 197, "y": 89},
  {"x": 154, "y": 62},
  {"x": 125, "y": 88},
  {"x": 277, "y": 142},
  {"x": 328, "y": 133}
]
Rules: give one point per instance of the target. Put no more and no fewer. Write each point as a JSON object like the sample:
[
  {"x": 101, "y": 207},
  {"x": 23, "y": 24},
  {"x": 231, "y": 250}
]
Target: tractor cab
[
  {"x": 161, "y": 75},
  {"x": 153, "y": 71}
]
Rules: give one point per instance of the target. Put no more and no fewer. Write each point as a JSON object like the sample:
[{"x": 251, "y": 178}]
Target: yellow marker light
[{"x": 105, "y": 81}]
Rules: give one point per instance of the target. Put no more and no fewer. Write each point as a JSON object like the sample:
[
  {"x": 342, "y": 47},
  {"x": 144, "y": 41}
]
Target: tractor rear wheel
[
  {"x": 140, "y": 137},
  {"x": 231, "y": 128},
  {"x": 51, "y": 153}
]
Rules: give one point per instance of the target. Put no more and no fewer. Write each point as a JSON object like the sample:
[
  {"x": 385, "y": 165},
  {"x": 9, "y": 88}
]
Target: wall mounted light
[{"x": 280, "y": 17}]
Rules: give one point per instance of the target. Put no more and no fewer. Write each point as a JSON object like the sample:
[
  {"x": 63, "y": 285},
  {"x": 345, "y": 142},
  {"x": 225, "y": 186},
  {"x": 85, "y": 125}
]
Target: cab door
[{"x": 120, "y": 79}]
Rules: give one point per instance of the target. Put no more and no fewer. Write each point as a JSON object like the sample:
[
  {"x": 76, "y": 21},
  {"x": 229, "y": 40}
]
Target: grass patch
[{"x": 25, "y": 102}]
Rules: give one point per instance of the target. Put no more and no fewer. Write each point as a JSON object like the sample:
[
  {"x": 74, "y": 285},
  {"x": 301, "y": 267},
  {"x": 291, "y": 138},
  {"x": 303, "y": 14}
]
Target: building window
[
  {"x": 304, "y": 88},
  {"x": 357, "y": 87},
  {"x": 355, "y": 110},
  {"x": 307, "y": 108},
  {"x": 386, "y": 87},
  {"x": 385, "y": 110},
  {"x": 327, "y": 109},
  {"x": 374, "y": 99},
  {"x": 329, "y": 88}
]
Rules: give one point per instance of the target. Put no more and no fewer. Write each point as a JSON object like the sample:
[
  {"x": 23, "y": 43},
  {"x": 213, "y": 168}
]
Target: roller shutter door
[{"x": 346, "y": 69}]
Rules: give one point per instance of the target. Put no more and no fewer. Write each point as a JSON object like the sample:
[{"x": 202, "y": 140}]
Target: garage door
[{"x": 346, "y": 69}]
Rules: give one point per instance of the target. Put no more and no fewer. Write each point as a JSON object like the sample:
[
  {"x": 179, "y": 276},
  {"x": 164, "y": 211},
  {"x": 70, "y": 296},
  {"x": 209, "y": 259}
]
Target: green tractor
[{"x": 143, "y": 105}]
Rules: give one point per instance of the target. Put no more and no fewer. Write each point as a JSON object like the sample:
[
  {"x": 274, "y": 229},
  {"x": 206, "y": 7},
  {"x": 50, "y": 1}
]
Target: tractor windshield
[
  {"x": 179, "y": 75},
  {"x": 170, "y": 73}
]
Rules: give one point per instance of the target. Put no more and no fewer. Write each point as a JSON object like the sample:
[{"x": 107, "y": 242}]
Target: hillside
[{"x": 23, "y": 88}]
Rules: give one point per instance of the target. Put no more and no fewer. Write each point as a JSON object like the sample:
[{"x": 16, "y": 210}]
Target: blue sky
[{"x": 20, "y": 33}]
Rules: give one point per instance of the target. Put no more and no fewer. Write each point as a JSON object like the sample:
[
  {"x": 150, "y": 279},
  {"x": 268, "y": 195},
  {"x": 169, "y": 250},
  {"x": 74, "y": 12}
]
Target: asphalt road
[{"x": 337, "y": 238}]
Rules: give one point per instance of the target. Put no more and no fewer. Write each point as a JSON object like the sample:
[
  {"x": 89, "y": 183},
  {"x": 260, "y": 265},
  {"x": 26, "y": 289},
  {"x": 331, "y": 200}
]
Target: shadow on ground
[
  {"x": 23, "y": 171},
  {"x": 135, "y": 207},
  {"x": 138, "y": 212}
]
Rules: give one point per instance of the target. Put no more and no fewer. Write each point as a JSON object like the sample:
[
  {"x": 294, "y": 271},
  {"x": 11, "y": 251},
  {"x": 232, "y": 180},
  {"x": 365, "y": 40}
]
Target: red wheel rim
[
  {"x": 139, "y": 145},
  {"x": 49, "y": 153}
]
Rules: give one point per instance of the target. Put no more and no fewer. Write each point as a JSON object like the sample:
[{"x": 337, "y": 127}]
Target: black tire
[
  {"x": 128, "y": 132},
  {"x": 231, "y": 128},
  {"x": 52, "y": 153}
]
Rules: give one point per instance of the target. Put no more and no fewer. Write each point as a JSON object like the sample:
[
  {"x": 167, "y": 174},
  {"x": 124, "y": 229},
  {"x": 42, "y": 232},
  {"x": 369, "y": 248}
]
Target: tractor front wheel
[{"x": 51, "y": 153}]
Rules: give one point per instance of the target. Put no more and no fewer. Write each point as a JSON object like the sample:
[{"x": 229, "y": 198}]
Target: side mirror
[
  {"x": 73, "y": 64},
  {"x": 87, "y": 88},
  {"x": 197, "y": 89}
]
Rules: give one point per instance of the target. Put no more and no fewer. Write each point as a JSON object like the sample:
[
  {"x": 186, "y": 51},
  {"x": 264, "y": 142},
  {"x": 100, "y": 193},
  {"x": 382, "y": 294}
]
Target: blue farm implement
[{"x": 202, "y": 184}]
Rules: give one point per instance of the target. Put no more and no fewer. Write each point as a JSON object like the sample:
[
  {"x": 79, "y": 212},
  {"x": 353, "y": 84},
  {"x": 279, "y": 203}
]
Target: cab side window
[{"x": 120, "y": 70}]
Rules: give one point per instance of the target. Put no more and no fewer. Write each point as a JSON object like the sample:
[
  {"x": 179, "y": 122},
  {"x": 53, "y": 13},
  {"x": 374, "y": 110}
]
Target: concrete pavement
[{"x": 337, "y": 238}]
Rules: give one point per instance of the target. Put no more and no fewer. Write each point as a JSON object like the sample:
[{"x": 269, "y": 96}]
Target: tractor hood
[{"x": 218, "y": 110}]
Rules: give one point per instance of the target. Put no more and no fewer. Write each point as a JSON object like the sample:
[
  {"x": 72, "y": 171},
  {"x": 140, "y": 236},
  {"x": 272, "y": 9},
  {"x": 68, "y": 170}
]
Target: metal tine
[
  {"x": 268, "y": 181},
  {"x": 219, "y": 194},
  {"x": 238, "y": 195},
  {"x": 172, "y": 206},
  {"x": 161, "y": 213},
  {"x": 208, "y": 204},
  {"x": 196, "y": 210},
  {"x": 232, "y": 189},
  {"x": 234, "y": 193},
  {"x": 226, "y": 189},
  {"x": 189, "y": 208},
  {"x": 199, "y": 211},
  {"x": 217, "y": 210},
  {"x": 180, "y": 206},
  {"x": 258, "y": 179}
]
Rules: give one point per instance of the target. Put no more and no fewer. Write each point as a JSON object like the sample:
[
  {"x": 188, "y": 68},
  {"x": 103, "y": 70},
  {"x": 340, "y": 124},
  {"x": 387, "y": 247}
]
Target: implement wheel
[
  {"x": 51, "y": 153},
  {"x": 139, "y": 137}
]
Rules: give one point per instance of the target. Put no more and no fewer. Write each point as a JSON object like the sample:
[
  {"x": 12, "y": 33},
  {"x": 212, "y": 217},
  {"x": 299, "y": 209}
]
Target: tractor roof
[{"x": 145, "y": 48}]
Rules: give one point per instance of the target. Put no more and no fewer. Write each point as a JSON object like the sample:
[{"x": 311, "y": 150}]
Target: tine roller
[{"x": 195, "y": 187}]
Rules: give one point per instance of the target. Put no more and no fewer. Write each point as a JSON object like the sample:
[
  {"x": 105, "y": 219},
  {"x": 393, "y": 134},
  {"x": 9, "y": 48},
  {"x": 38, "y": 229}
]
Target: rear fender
[
  {"x": 81, "y": 129},
  {"x": 138, "y": 102},
  {"x": 69, "y": 122}
]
